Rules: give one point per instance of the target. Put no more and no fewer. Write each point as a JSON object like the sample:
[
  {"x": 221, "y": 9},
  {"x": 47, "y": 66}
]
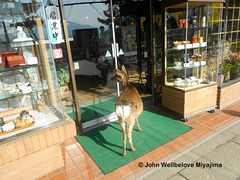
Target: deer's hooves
[
  {"x": 140, "y": 129},
  {"x": 124, "y": 154},
  {"x": 133, "y": 149}
]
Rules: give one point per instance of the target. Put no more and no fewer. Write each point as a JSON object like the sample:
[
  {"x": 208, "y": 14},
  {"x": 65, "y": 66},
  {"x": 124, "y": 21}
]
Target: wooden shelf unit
[{"x": 186, "y": 103}]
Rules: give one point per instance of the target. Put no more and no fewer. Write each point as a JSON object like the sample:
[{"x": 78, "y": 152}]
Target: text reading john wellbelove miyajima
[{"x": 182, "y": 164}]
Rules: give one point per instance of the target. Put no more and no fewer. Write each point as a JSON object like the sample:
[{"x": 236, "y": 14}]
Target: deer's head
[{"x": 121, "y": 76}]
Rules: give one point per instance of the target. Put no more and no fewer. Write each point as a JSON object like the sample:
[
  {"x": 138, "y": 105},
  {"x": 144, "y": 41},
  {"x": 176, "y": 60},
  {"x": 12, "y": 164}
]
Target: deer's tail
[{"x": 123, "y": 111}]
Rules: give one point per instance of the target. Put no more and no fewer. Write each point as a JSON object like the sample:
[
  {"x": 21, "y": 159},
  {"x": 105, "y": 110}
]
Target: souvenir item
[
  {"x": 203, "y": 21},
  {"x": 194, "y": 39},
  {"x": 8, "y": 127},
  {"x": 24, "y": 119},
  {"x": 200, "y": 39},
  {"x": 1, "y": 122},
  {"x": 21, "y": 34},
  {"x": 12, "y": 59},
  {"x": 31, "y": 60}
]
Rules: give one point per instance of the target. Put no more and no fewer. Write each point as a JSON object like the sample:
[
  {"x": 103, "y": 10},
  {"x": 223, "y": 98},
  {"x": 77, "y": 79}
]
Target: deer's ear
[
  {"x": 118, "y": 72},
  {"x": 124, "y": 69}
]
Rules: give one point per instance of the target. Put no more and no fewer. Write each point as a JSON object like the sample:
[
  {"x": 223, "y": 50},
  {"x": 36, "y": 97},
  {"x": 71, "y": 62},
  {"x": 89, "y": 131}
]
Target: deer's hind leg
[
  {"x": 138, "y": 125},
  {"x": 122, "y": 125},
  {"x": 131, "y": 123}
]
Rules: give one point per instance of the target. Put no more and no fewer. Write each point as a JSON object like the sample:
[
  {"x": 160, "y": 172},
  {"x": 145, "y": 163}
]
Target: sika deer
[{"x": 128, "y": 107}]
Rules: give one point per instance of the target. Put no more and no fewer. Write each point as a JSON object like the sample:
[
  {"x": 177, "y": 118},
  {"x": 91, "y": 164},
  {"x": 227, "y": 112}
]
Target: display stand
[{"x": 190, "y": 44}]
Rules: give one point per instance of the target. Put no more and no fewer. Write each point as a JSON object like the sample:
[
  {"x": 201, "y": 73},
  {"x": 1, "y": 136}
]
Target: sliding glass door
[
  {"x": 91, "y": 39},
  {"x": 90, "y": 32}
]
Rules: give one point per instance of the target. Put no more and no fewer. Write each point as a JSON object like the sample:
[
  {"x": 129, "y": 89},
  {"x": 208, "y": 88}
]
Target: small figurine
[
  {"x": 193, "y": 20},
  {"x": 20, "y": 33},
  {"x": 24, "y": 119},
  {"x": 24, "y": 114}
]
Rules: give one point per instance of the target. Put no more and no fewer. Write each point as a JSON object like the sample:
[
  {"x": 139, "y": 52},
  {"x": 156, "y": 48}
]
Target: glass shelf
[
  {"x": 186, "y": 88},
  {"x": 7, "y": 95},
  {"x": 15, "y": 44},
  {"x": 5, "y": 69},
  {"x": 189, "y": 46},
  {"x": 183, "y": 68},
  {"x": 189, "y": 28}
]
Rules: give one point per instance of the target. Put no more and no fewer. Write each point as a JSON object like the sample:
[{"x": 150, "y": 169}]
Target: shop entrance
[{"x": 91, "y": 38}]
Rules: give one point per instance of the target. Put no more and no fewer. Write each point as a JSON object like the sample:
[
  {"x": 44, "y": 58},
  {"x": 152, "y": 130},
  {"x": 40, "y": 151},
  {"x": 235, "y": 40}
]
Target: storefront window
[
  {"x": 29, "y": 96},
  {"x": 231, "y": 47}
]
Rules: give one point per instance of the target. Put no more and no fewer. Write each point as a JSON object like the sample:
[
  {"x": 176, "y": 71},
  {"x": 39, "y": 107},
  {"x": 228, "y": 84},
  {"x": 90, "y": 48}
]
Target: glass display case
[
  {"x": 192, "y": 39},
  {"x": 29, "y": 92},
  {"x": 192, "y": 44}
]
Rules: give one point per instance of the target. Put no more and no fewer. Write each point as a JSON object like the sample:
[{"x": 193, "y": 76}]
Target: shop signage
[
  {"x": 57, "y": 53},
  {"x": 76, "y": 65},
  {"x": 54, "y": 24}
]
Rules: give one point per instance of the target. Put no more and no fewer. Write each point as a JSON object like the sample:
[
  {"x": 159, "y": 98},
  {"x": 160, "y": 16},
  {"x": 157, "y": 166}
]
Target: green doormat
[
  {"x": 97, "y": 109},
  {"x": 105, "y": 144}
]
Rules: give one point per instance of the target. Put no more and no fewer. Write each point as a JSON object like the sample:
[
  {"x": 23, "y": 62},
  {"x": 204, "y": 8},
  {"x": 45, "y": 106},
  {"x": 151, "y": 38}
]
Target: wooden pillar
[
  {"x": 70, "y": 62},
  {"x": 45, "y": 60}
]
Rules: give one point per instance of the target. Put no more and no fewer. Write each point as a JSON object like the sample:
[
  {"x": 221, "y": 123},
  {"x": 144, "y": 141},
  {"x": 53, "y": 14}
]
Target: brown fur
[{"x": 129, "y": 97}]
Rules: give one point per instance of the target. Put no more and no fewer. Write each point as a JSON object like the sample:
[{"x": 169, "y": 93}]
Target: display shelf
[
  {"x": 189, "y": 46},
  {"x": 183, "y": 29},
  {"x": 42, "y": 119},
  {"x": 5, "y": 69},
  {"x": 28, "y": 42},
  {"x": 8, "y": 95},
  {"x": 175, "y": 35},
  {"x": 16, "y": 128},
  {"x": 183, "y": 68},
  {"x": 20, "y": 43},
  {"x": 187, "y": 88}
]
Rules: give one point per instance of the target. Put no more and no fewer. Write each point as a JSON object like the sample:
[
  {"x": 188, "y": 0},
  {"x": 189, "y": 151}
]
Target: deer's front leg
[{"x": 122, "y": 125}]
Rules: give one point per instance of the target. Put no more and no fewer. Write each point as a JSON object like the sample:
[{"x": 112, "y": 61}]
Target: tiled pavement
[{"x": 78, "y": 164}]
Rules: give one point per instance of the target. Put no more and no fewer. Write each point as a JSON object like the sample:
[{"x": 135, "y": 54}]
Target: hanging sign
[
  {"x": 57, "y": 53},
  {"x": 54, "y": 24}
]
